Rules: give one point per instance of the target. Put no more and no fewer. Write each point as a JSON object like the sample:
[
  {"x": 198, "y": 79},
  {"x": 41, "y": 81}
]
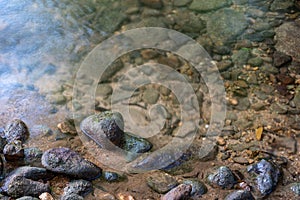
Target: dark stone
[
  {"x": 241, "y": 57},
  {"x": 268, "y": 175},
  {"x": 14, "y": 151},
  {"x": 161, "y": 182},
  {"x": 106, "y": 124},
  {"x": 205, "y": 6},
  {"x": 280, "y": 59},
  {"x": 157, "y": 4},
  {"x": 3, "y": 142},
  {"x": 33, "y": 156},
  {"x": 136, "y": 144},
  {"x": 79, "y": 187},
  {"x": 112, "y": 176},
  {"x": 179, "y": 193},
  {"x": 223, "y": 178},
  {"x": 198, "y": 188},
  {"x": 285, "y": 79},
  {"x": 16, "y": 130},
  {"x": 66, "y": 161},
  {"x": 24, "y": 181},
  {"x": 240, "y": 195},
  {"x": 72, "y": 197},
  {"x": 295, "y": 187}
]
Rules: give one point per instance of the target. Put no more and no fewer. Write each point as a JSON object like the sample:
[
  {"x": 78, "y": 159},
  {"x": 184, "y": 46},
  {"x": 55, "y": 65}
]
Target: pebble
[
  {"x": 178, "y": 193},
  {"x": 198, "y": 187},
  {"x": 27, "y": 198},
  {"x": 208, "y": 151},
  {"x": 161, "y": 182},
  {"x": 65, "y": 161},
  {"x": 150, "y": 96},
  {"x": 157, "y": 4},
  {"x": 295, "y": 187},
  {"x": 122, "y": 196},
  {"x": 79, "y": 187},
  {"x": 223, "y": 178},
  {"x": 67, "y": 127},
  {"x": 24, "y": 181},
  {"x": 240, "y": 195},
  {"x": 112, "y": 176},
  {"x": 221, "y": 141},
  {"x": 16, "y": 130},
  {"x": 32, "y": 156},
  {"x": 14, "y": 151},
  {"x": 268, "y": 175},
  {"x": 241, "y": 160},
  {"x": 46, "y": 196},
  {"x": 136, "y": 144}
]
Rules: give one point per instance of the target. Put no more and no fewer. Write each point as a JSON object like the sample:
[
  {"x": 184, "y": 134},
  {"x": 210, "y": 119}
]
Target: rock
[
  {"x": 65, "y": 161},
  {"x": 224, "y": 65},
  {"x": 180, "y": 3},
  {"x": 198, "y": 188},
  {"x": 32, "y": 156},
  {"x": 279, "y": 108},
  {"x": 240, "y": 195},
  {"x": 104, "y": 90},
  {"x": 295, "y": 187},
  {"x": 79, "y": 187},
  {"x": 205, "y": 6},
  {"x": 27, "y": 198},
  {"x": 106, "y": 124},
  {"x": 2, "y": 197},
  {"x": 136, "y": 144},
  {"x": 180, "y": 192},
  {"x": 14, "y": 151},
  {"x": 268, "y": 175},
  {"x": 67, "y": 127},
  {"x": 56, "y": 99},
  {"x": 287, "y": 36},
  {"x": 280, "y": 59},
  {"x": 24, "y": 181},
  {"x": 161, "y": 182},
  {"x": 241, "y": 160},
  {"x": 46, "y": 196},
  {"x": 244, "y": 104},
  {"x": 225, "y": 25},
  {"x": 189, "y": 23},
  {"x": 158, "y": 4},
  {"x": 150, "y": 96},
  {"x": 100, "y": 194},
  {"x": 112, "y": 176},
  {"x": 281, "y": 5},
  {"x": 72, "y": 197},
  {"x": 208, "y": 151},
  {"x": 241, "y": 57},
  {"x": 223, "y": 178},
  {"x": 125, "y": 196},
  {"x": 16, "y": 130},
  {"x": 256, "y": 62},
  {"x": 3, "y": 142}
]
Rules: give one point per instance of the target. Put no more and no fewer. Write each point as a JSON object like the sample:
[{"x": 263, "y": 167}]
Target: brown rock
[{"x": 180, "y": 192}]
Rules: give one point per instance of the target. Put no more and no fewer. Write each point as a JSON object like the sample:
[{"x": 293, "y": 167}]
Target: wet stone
[
  {"x": 198, "y": 187},
  {"x": 67, "y": 127},
  {"x": 295, "y": 187},
  {"x": 281, "y": 5},
  {"x": 106, "y": 124},
  {"x": 204, "y": 6},
  {"x": 279, "y": 108},
  {"x": 27, "y": 198},
  {"x": 180, "y": 3},
  {"x": 104, "y": 90},
  {"x": 56, "y": 99},
  {"x": 296, "y": 99},
  {"x": 280, "y": 59},
  {"x": 161, "y": 182},
  {"x": 268, "y": 175},
  {"x": 25, "y": 181},
  {"x": 32, "y": 156},
  {"x": 150, "y": 96},
  {"x": 256, "y": 62},
  {"x": 79, "y": 187},
  {"x": 16, "y": 130},
  {"x": 112, "y": 176},
  {"x": 14, "y": 151},
  {"x": 72, "y": 197},
  {"x": 241, "y": 160},
  {"x": 224, "y": 65},
  {"x": 152, "y": 3},
  {"x": 180, "y": 192},
  {"x": 241, "y": 57},
  {"x": 240, "y": 195},
  {"x": 65, "y": 161},
  {"x": 223, "y": 178},
  {"x": 136, "y": 144},
  {"x": 3, "y": 142},
  {"x": 244, "y": 104},
  {"x": 208, "y": 151}
]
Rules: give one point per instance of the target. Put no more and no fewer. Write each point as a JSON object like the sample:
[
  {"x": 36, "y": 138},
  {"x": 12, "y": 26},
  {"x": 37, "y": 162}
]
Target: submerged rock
[
  {"x": 106, "y": 125},
  {"x": 268, "y": 175},
  {"x": 14, "y": 151},
  {"x": 65, "y": 161},
  {"x": 16, "y": 130},
  {"x": 204, "y": 6},
  {"x": 223, "y": 178},
  {"x": 198, "y": 188}
]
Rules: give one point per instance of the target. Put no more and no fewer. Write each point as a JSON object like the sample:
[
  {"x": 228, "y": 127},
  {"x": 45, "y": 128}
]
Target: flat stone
[
  {"x": 225, "y": 25},
  {"x": 65, "y": 161},
  {"x": 161, "y": 182},
  {"x": 204, "y": 6},
  {"x": 287, "y": 36},
  {"x": 240, "y": 195},
  {"x": 180, "y": 192}
]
